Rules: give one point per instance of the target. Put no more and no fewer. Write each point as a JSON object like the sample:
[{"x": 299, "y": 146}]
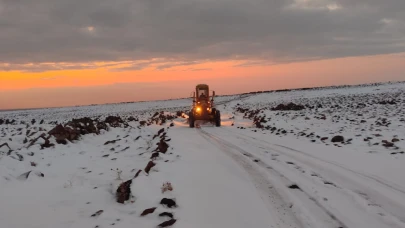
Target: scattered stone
[
  {"x": 123, "y": 192},
  {"x": 149, "y": 166},
  {"x": 387, "y": 144},
  {"x": 167, "y": 214},
  {"x": 338, "y": 138},
  {"x": 385, "y": 102},
  {"x": 154, "y": 155},
  {"x": 289, "y": 107},
  {"x": 167, "y": 223},
  {"x": 131, "y": 118},
  {"x": 98, "y": 213},
  {"x": 161, "y": 131},
  {"x": 162, "y": 146},
  {"x": 148, "y": 211},
  {"x": 294, "y": 186},
  {"x": 47, "y": 144},
  {"x": 112, "y": 141},
  {"x": 168, "y": 202},
  {"x": 137, "y": 173}
]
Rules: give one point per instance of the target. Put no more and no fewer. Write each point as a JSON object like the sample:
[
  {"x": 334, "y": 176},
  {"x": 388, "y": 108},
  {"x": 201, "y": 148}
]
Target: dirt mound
[
  {"x": 131, "y": 119},
  {"x": 242, "y": 110},
  {"x": 158, "y": 118},
  {"x": 289, "y": 107},
  {"x": 388, "y": 102},
  {"x": 257, "y": 121},
  {"x": 76, "y": 127},
  {"x": 114, "y": 121},
  {"x": 62, "y": 134},
  {"x": 7, "y": 121},
  {"x": 83, "y": 125}
]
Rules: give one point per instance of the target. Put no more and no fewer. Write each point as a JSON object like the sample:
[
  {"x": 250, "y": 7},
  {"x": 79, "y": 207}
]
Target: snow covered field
[{"x": 335, "y": 160}]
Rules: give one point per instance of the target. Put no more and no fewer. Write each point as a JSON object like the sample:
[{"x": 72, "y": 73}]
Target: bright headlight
[{"x": 198, "y": 109}]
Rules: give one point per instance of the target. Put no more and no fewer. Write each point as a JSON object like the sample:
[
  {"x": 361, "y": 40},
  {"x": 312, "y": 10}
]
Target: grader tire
[
  {"x": 191, "y": 120},
  {"x": 217, "y": 118}
]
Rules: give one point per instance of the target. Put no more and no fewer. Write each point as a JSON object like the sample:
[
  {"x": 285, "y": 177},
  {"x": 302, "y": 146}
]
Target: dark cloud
[
  {"x": 43, "y": 67},
  {"x": 192, "y": 31}
]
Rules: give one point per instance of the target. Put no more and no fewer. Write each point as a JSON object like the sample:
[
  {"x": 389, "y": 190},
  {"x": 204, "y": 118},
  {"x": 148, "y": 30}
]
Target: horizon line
[{"x": 223, "y": 95}]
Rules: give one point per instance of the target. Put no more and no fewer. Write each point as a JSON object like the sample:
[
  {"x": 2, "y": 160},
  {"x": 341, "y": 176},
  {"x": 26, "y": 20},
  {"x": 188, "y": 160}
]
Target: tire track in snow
[
  {"x": 371, "y": 195},
  {"x": 327, "y": 217},
  {"x": 376, "y": 179},
  {"x": 278, "y": 208}
]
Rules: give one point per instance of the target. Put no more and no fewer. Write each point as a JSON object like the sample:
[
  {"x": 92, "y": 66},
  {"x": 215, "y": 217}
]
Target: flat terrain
[{"x": 316, "y": 158}]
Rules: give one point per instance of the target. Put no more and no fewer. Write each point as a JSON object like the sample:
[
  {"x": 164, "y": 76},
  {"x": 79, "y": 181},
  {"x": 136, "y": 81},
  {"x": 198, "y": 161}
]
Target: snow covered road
[{"x": 329, "y": 194}]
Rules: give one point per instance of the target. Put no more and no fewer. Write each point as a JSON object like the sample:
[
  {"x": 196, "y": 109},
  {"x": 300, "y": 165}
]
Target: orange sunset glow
[{"x": 226, "y": 77}]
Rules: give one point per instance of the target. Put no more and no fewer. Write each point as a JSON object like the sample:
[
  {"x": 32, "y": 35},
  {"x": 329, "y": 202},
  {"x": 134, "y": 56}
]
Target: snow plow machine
[{"x": 203, "y": 109}]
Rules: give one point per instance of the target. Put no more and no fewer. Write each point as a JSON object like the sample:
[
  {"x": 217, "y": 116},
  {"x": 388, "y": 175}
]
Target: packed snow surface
[{"x": 316, "y": 158}]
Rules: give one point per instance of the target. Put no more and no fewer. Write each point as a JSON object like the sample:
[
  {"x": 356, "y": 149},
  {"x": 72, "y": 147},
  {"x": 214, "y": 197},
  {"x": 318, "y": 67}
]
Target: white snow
[{"x": 237, "y": 175}]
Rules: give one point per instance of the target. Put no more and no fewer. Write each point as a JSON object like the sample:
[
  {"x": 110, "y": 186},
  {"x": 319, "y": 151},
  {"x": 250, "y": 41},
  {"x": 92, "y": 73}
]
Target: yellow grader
[{"x": 203, "y": 107}]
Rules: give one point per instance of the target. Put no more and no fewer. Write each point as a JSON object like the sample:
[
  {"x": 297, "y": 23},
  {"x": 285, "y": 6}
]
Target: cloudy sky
[{"x": 51, "y": 47}]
